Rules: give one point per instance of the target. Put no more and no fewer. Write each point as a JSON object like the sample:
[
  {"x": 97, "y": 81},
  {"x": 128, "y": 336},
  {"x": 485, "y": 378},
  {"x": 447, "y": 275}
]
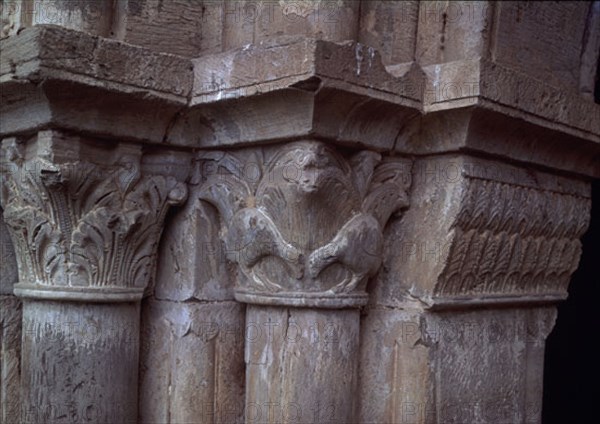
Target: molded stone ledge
[
  {"x": 52, "y": 52},
  {"x": 52, "y": 77},
  {"x": 494, "y": 87},
  {"x": 292, "y": 88},
  {"x": 488, "y": 132},
  {"x": 307, "y": 64},
  {"x": 291, "y": 114},
  {"x": 289, "y": 89}
]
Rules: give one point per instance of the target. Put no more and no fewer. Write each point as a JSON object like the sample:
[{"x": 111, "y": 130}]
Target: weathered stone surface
[
  {"x": 351, "y": 65},
  {"x": 451, "y": 31},
  {"x": 54, "y": 51},
  {"x": 192, "y": 364},
  {"x": 192, "y": 338},
  {"x": 339, "y": 92},
  {"x": 459, "y": 314},
  {"x": 497, "y": 88},
  {"x": 192, "y": 262},
  {"x": 8, "y": 271},
  {"x": 589, "y": 55},
  {"x": 80, "y": 362},
  {"x": 304, "y": 223},
  {"x": 542, "y": 41},
  {"x": 479, "y": 231},
  {"x": 301, "y": 364},
  {"x": 469, "y": 129},
  {"x": 51, "y": 76},
  {"x": 10, "y": 331},
  {"x": 249, "y": 22},
  {"x": 91, "y": 16},
  {"x": 306, "y": 140},
  {"x": 390, "y": 27},
  {"x": 181, "y": 27},
  {"x": 10, "y": 358},
  {"x": 481, "y": 366},
  {"x": 85, "y": 220}
]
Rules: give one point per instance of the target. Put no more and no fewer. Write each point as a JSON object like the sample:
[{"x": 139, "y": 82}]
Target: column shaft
[
  {"x": 301, "y": 364},
  {"x": 81, "y": 362}
]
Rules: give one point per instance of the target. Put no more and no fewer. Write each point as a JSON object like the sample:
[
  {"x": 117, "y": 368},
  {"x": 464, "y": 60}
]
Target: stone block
[
  {"x": 10, "y": 359},
  {"x": 8, "y": 264},
  {"x": 542, "y": 41},
  {"x": 192, "y": 364},
  {"x": 481, "y": 366},
  {"x": 390, "y": 27}
]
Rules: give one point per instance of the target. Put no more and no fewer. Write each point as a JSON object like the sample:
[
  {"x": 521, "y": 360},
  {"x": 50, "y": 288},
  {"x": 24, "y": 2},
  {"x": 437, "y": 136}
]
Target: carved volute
[{"x": 305, "y": 225}]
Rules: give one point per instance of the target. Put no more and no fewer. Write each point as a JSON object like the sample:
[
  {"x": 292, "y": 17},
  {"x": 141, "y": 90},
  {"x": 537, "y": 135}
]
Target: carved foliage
[
  {"x": 306, "y": 222},
  {"x": 82, "y": 225},
  {"x": 514, "y": 240}
]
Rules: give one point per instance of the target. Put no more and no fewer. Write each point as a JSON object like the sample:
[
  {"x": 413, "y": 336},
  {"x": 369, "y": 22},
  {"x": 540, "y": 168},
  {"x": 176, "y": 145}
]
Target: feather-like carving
[{"x": 512, "y": 239}]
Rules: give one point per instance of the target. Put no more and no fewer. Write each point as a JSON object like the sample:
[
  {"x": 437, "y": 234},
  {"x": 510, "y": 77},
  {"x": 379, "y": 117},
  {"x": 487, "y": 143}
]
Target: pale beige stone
[
  {"x": 301, "y": 364},
  {"x": 192, "y": 362},
  {"x": 451, "y": 31},
  {"x": 10, "y": 331},
  {"x": 480, "y": 366},
  {"x": 79, "y": 362},
  {"x": 85, "y": 220},
  {"x": 10, "y": 358},
  {"x": 542, "y": 41},
  {"x": 248, "y": 22},
  {"x": 91, "y": 16},
  {"x": 305, "y": 223},
  {"x": 390, "y": 27},
  {"x": 427, "y": 162},
  {"x": 182, "y": 27},
  {"x": 9, "y": 273}
]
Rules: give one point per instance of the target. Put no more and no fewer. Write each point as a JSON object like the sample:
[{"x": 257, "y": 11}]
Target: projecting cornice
[
  {"x": 290, "y": 89},
  {"x": 52, "y": 77}
]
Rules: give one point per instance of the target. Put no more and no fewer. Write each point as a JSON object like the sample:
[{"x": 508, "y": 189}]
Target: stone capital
[
  {"x": 85, "y": 218},
  {"x": 304, "y": 222},
  {"x": 484, "y": 233}
]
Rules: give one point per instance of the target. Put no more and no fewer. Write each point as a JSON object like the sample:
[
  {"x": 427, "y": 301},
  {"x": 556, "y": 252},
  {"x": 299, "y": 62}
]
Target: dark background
[{"x": 572, "y": 364}]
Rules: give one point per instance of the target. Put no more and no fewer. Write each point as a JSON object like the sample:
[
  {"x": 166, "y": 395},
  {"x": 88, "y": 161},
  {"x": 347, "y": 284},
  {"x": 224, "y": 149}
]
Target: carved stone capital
[
  {"x": 304, "y": 222},
  {"x": 516, "y": 239},
  {"x": 85, "y": 219},
  {"x": 481, "y": 232}
]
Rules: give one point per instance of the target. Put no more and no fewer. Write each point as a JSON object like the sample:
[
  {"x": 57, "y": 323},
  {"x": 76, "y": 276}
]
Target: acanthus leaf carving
[
  {"x": 305, "y": 228},
  {"x": 83, "y": 229}
]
